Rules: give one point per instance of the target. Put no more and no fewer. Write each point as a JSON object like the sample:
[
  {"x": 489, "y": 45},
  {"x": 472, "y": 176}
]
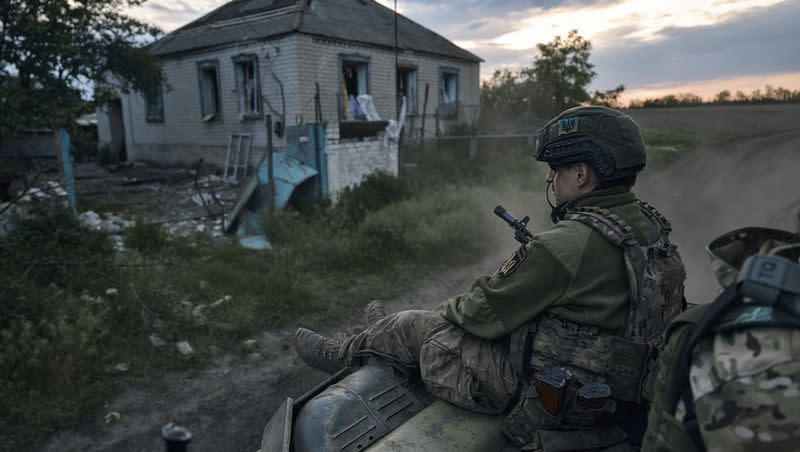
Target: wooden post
[
  {"x": 270, "y": 175},
  {"x": 437, "y": 130},
  {"x": 424, "y": 112},
  {"x": 318, "y": 106}
]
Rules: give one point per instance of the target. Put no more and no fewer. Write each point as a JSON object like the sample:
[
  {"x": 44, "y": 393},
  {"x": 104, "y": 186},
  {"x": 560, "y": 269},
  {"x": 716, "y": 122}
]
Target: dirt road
[{"x": 754, "y": 182}]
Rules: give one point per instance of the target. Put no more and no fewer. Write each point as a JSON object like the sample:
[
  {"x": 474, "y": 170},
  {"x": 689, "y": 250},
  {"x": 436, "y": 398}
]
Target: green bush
[
  {"x": 427, "y": 229},
  {"x": 147, "y": 238},
  {"x": 377, "y": 190},
  {"x": 52, "y": 331}
]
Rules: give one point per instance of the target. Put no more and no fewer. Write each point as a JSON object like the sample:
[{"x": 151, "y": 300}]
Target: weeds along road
[{"x": 708, "y": 192}]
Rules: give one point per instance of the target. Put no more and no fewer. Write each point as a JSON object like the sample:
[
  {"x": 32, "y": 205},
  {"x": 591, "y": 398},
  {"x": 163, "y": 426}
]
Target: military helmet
[
  {"x": 609, "y": 140},
  {"x": 729, "y": 251}
]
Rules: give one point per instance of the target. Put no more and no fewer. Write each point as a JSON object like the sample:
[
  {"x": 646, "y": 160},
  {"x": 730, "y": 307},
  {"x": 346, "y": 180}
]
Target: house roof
[{"x": 362, "y": 21}]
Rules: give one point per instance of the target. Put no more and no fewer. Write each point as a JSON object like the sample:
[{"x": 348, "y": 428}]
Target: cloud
[
  {"x": 761, "y": 42},
  {"x": 170, "y": 15},
  {"x": 640, "y": 43},
  {"x": 644, "y": 20}
]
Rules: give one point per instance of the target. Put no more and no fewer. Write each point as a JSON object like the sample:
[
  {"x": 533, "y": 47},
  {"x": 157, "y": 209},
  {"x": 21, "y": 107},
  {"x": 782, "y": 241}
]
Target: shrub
[
  {"x": 374, "y": 192},
  {"x": 147, "y": 238}
]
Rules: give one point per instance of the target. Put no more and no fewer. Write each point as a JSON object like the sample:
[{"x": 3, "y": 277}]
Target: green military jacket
[{"x": 569, "y": 270}]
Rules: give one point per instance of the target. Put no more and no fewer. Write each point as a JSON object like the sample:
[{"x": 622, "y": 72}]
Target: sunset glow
[{"x": 643, "y": 20}]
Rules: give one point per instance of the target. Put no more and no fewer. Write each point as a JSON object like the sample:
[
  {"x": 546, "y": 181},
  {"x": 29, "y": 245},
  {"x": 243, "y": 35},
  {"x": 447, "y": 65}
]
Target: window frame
[
  {"x": 404, "y": 69},
  {"x": 238, "y": 61},
  {"x": 350, "y": 59},
  {"x": 202, "y": 66},
  {"x": 158, "y": 116},
  {"x": 443, "y": 72}
]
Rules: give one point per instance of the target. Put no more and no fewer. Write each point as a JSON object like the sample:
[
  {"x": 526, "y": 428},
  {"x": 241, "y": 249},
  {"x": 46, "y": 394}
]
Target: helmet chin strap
[{"x": 553, "y": 208}]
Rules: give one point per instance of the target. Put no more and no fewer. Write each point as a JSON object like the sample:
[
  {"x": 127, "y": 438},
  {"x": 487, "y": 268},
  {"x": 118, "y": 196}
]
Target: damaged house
[{"x": 303, "y": 62}]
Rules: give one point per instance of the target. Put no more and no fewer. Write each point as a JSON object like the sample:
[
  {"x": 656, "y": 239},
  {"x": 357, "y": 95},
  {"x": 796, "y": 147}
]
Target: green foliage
[
  {"x": 433, "y": 229},
  {"x": 375, "y": 191},
  {"x": 562, "y": 71},
  {"x": 557, "y": 80},
  {"x": 608, "y": 98},
  {"x": 147, "y": 238},
  {"x": 49, "y": 49},
  {"x": 51, "y": 330},
  {"x": 61, "y": 331}
]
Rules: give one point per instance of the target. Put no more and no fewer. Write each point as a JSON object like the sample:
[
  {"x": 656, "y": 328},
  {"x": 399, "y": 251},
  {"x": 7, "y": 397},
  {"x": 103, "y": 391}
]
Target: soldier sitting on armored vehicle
[
  {"x": 729, "y": 378},
  {"x": 560, "y": 339}
]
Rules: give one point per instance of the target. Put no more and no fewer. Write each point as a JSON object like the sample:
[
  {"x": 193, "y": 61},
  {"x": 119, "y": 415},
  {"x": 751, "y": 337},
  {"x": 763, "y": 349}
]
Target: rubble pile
[{"x": 177, "y": 198}]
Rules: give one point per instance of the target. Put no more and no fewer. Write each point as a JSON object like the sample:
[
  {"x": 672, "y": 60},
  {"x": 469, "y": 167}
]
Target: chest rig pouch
[{"x": 626, "y": 363}]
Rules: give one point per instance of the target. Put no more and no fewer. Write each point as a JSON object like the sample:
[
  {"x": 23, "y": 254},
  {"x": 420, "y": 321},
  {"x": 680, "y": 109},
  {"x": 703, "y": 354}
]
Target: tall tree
[
  {"x": 52, "y": 51},
  {"x": 557, "y": 80},
  {"x": 561, "y": 72}
]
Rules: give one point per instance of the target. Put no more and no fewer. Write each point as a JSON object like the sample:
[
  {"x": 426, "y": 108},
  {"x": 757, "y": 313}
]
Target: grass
[{"x": 72, "y": 307}]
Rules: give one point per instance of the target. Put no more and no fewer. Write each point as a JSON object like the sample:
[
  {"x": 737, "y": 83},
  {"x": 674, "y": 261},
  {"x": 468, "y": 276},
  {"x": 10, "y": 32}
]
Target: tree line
[{"x": 769, "y": 95}]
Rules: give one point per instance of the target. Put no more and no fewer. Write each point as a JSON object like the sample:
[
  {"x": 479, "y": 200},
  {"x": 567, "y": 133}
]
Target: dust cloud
[
  {"x": 714, "y": 189},
  {"x": 752, "y": 182}
]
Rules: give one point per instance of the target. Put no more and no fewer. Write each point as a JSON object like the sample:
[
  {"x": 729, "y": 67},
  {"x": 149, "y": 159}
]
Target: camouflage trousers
[{"x": 456, "y": 366}]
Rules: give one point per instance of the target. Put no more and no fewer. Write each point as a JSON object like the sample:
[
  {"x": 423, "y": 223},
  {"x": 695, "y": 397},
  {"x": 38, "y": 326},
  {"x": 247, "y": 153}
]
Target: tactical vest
[
  {"x": 766, "y": 295},
  {"x": 625, "y": 363}
]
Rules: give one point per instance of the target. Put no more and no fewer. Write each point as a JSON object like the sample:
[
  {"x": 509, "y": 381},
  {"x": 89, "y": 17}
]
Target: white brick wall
[{"x": 350, "y": 160}]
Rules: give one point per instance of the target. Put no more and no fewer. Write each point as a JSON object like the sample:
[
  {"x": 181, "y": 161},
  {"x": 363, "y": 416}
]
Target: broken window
[
  {"x": 208, "y": 75},
  {"x": 448, "y": 93},
  {"x": 354, "y": 83},
  {"x": 247, "y": 86},
  {"x": 407, "y": 86},
  {"x": 154, "y": 105}
]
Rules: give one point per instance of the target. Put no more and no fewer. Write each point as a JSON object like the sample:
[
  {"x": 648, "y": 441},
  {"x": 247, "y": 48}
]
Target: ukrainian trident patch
[
  {"x": 567, "y": 125},
  {"x": 512, "y": 263}
]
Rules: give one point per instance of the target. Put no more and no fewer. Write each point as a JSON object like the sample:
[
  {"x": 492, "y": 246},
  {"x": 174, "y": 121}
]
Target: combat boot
[
  {"x": 374, "y": 311},
  {"x": 318, "y": 351}
]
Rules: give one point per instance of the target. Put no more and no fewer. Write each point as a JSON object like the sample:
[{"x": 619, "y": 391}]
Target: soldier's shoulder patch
[{"x": 512, "y": 263}]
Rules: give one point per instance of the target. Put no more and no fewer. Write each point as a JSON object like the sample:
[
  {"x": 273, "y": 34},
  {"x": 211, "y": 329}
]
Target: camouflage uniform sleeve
[{"x": 527, "y": 283}]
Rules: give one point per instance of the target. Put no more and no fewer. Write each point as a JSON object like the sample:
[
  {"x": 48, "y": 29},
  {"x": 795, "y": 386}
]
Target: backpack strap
[
  {"x": 655, "y": 216},
  {"x": 618, "y": 232}
]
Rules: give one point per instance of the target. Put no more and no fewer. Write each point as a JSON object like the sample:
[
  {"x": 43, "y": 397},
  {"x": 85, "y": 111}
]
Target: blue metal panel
[
  {"x": 66, "y": 160},
  {"x": 306, "y": 144},
  {"x": 288, "y": 174}
]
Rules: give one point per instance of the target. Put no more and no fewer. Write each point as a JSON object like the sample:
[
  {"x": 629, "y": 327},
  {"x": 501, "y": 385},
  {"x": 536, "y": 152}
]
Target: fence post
[
  {"x": 270, "y": 176},
  {"x": 436, "y": 134},
  {"x": 66, "y": 169},
  {"x": 424, "y": 113},
  {"x": 473, "y": 148}
]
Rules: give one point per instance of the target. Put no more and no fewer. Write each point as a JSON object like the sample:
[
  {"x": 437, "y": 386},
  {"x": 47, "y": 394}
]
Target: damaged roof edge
[
  {"x": 301, "y": 20},
  {"x": 197, "y": 50}
]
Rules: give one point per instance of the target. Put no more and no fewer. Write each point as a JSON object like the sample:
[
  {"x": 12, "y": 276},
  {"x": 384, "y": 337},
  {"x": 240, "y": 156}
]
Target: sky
[{"x": 653, "y": 47}]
